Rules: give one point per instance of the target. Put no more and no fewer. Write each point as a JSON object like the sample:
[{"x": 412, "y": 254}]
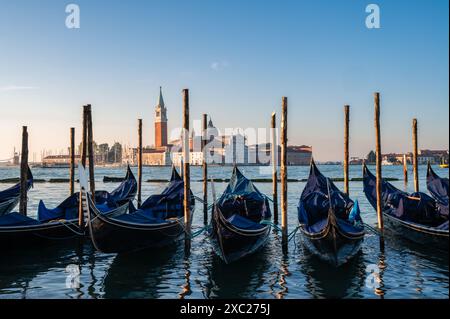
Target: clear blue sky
[{"x": 238, "y": 58}]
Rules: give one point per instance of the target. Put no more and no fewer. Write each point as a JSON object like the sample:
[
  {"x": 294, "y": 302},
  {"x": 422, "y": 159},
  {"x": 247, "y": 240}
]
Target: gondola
[
  {"x": 438, "y": 188},
  {"x": 106, "y": 202},
  {"x": 415, "y": 216},
  {"x": 330, "y": 222},
  {"x": 236, "y": 229},
  {"x": 157, "y": 223},
  {"x": 9, "y": 198},
  {"x": 61, "y": 223}
]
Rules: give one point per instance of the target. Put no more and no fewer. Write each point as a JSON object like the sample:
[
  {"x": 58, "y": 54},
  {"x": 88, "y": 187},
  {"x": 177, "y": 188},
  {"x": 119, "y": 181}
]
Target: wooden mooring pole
[
  {"x": 378, "y": 161},
  {"x": 83, "y": 163},
  {"x": 72, "y": 161},
  {"x": 274, "y": 151},
  {"x": 415, "y": 153},
  {"x": 284, "y": 221},
  {"x": 139, "y": 158},
  {"x": 91, "y": 154},
  {"x": 24, "y": 172},
  {"x": 186, "y": 171},
  {"x": 346, "y": 144},
  {"x": 405, "y": 169},
  {"x": 205, "y": 168}
]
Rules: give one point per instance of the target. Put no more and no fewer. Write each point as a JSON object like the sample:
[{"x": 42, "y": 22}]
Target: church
[{"x": 160, "y": 153}]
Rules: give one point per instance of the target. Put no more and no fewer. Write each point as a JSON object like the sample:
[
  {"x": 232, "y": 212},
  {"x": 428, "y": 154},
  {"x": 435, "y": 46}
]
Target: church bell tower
[{"x": 160, "y": 122}]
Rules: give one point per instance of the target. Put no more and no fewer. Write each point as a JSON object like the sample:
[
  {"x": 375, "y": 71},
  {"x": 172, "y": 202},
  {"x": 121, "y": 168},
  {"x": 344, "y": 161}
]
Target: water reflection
[
  {"x": 186, "y": 288},
  {"x": 30, "y": 263},
  {"x": 326, "y": 281},
  {"x": 240, "y": 279},
  {"x": 382, "y": 265},
  {"x": 139, "y": 274}
]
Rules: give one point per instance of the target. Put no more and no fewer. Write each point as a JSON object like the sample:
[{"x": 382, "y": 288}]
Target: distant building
[
  {"x": 261, "y": 154},
  {"x": 432, "y": 156},
  {"x": 355, "y": 161},
  {"x": 423, "y": 157},
  {"x": 58, "y": 161},
  {"x": 299, "y": 155}
]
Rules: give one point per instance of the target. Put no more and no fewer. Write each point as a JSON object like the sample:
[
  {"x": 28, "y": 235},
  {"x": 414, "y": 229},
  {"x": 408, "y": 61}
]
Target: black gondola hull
[
  {"x": 332, "y": 245},
  {"x": 232, "y": 243},
  {"x": 112, "y": 236},
  {"x": 51, "y": 232},
  {"x": 34, "y": 235},
  {"x": 427, "y": 236}
]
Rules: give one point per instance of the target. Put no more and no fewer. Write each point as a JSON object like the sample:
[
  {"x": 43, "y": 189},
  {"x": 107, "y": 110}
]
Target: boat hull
[
  {"x": 37, "y": 234},
  {"x": 426, "y": 236},
  {"x": 111, "y": 235},
  {"x": 231, "y": 243},
  {"x": 332, "y": 245},
  {"x": 53, "y": 231}
]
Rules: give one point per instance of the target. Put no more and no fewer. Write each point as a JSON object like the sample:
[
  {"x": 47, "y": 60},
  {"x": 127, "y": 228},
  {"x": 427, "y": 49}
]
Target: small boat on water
[
  {"x": 415, "y": 216},
  {"x": 157, "y": 223},
  {"x": 438, "y": 188},
  {"x": 9, "y": 198},
  {"x": 236, "y": 228},
  {"x": 330, "y": 222},
  {"x": 61, "y": 223},
  {"x": 443, "y": 164}
]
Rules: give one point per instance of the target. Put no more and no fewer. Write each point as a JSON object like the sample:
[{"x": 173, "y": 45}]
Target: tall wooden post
[
  {"x": 72, "y": 161},
  {"x": 205, "y": 168},
  {"x": 83, "y": 163},
  {"x": 415, "y": 152},
  {"x": 378, "y": 161},
  {"x": 91, "y": 152},
  {"x": 405, "y": 169},
  {"x": 346, "y": 143},
  {"x": 24, "y": 173},
  {"x": 84, "y": 136},
  {"x": 186, "y": 170},
  {"x": 139, "y": 195},
  {"x": 274, "y": 151},
  {"x": 284, "y": 221}
]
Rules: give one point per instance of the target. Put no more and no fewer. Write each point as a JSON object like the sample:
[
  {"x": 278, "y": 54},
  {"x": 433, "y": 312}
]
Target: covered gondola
[
  {"x": 9, "y": 198},
  {"x": 415, "y": 216},
  {"x": 438, "y": 188},
  {"x": 61, "y": 223},
  {"x": 236, "y": 228},
  {"x": 105, "y": 202},
  {"x": 157, "y": 223},
  {"x": 330, "y": 222}
]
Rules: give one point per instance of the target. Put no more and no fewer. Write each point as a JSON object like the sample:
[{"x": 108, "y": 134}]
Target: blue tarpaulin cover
[
  {"x": 241, "y": 197},
  {"x": 314, "y": 204},
  {"x": 157, "y": 208},
  {"x": 104, "y": 201},
  {"x": 169, "y": 203},
  {"x": 244, "y": 223},
  {"x": 16, "y": 219},
  {"x": 416, "y": 207},
  {"x": 438, "y": 187}
]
